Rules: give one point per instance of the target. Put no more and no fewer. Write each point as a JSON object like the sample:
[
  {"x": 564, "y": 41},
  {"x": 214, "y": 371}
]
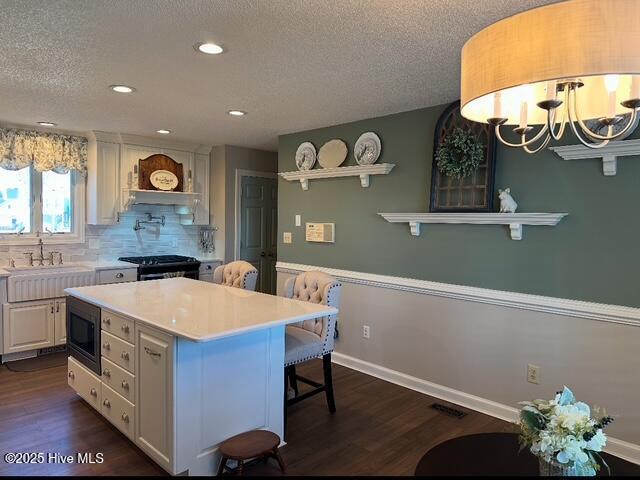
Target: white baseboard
[{"x": 619, "y": 448}]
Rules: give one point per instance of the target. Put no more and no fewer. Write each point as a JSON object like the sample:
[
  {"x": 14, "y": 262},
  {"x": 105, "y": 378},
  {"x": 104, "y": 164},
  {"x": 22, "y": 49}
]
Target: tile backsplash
[{"x": 113, "y": 241}]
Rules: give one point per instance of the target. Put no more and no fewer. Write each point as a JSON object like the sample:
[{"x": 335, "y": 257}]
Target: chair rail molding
[
  {"x": 609, "y": 154},
  {"x": 362, "y": 171},
  {"x": 515, "y": 221},
  {"x": 524, "y": 301}
]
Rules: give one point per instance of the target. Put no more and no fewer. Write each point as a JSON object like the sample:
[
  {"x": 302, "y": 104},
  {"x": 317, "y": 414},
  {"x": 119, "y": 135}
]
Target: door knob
[{"x": 262, "y": 254}]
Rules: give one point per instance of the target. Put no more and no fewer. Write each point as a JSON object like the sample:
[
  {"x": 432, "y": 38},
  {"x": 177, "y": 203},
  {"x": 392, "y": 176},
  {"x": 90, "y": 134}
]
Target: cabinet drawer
[
  {"x": 85, "y": 383},
  {"x": 117, "y": 325},
  {"x": 118, "y": 411},
  {"x": 118, "y": 351},
  {"x": 117, "y": 276},
  {"x": 118, "y": 379}
]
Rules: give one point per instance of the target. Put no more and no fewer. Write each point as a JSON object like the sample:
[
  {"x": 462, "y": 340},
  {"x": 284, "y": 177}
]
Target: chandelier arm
[
  {"x": 542, "y": 145},
  {"x": 586, "y": 143},
  {"x": 591, "y": 134},
  {"x": 551, "y": 117},
  {"x": 524, "y": 143}
]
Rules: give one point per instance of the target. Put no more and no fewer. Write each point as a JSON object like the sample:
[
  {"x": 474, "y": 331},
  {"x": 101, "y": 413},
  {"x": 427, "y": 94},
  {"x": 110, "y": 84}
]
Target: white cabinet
[
  {"x": 60, "y": 321},
  {"x": 28, "y": 325},
  {"x": 119, "y": 275},
  {"x": 207, "y": 268},
  {"x": 103, "y": 191},
  {"x": 201, "y": 186},
  {"x": 154, "y": 394},
  {"x": 33, "y": 325}
]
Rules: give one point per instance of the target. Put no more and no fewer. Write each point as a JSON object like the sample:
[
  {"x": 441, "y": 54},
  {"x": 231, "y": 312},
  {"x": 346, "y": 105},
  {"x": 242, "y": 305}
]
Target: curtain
[{"x": 45, "y": 151}]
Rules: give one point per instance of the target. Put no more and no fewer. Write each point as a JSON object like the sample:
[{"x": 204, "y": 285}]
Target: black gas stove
[{"x": 155, "y": 267}]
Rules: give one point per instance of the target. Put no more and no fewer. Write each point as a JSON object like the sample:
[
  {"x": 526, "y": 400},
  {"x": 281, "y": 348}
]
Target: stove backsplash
[{"x": 113, "y": 241}]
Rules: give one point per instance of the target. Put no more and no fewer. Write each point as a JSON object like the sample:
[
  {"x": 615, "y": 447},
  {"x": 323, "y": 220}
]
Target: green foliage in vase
[{"x": 459, "y": 154}]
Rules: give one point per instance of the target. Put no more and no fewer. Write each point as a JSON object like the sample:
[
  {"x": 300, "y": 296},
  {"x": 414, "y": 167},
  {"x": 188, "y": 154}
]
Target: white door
[
  {"x": 60, "y": 324},
  {"x": 103, "y": 195},
  {"x": 154, "y": 394},
  {"x": 28, "y": 325}
]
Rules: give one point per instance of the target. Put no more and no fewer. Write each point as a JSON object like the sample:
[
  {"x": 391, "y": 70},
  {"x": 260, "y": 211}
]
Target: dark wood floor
[{"x": 379, "y": 428}]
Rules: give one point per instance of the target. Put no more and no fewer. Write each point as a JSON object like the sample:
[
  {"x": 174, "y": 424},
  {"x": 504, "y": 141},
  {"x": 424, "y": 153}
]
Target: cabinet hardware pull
[
  {"x": 125, "y": 328},
  {"x": 93, "y": 392},
  {"x": 153, "y": 353},
  {"x": 57, "y": 307},
  {"x": 107, "y": 321},
  {"x": 106, "y": 372},
  {"x": 125, "y": 385},
  {"x": 106, "y": 346},
  {"x": 125, "y": 355},
  {"x": 107, "y": 403},
  {"x": 52, "y": 308},
  {"x": 125, "y": 418},
  {"x": 119, "y": 275},
  {"x": 71, "y": 374}
]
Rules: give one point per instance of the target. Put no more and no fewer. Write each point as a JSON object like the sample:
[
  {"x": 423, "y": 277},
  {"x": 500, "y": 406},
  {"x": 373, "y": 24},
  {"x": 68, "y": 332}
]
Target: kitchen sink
[{"x": 49, "y": 281}]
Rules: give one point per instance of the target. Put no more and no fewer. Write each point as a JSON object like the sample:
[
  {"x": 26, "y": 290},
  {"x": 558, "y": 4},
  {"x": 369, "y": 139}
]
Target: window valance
[{"x": 45, "y": 151}]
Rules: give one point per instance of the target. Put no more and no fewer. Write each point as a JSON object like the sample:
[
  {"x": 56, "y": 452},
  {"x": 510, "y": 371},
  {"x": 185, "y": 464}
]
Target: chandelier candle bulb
[
  {"x": 523, "y": 115},
  {"x": 635, "y": 87},
  {"x": 497, "y": 105},
  {"x": 551, "y": 90}
]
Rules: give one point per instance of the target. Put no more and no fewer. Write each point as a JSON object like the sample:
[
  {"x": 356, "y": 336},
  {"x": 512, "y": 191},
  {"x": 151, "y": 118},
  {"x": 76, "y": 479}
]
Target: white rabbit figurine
[{"x": 507, "y": 203}]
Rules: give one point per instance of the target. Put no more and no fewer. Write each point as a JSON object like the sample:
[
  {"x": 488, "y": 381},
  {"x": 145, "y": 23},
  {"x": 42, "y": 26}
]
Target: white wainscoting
[
  {"x": 486, "y": 347},
  {"x": 538, "y": 303}
]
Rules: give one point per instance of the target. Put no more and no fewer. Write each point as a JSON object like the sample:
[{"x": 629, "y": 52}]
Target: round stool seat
[{"x": 249, "y": 445}]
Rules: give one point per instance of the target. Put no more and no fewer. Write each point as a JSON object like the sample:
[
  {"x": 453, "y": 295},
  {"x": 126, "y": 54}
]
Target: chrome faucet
[{"x": 40, "y": 259}]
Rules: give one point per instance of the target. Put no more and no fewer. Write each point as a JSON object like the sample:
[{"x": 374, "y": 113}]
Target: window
[{"x": 32, "y": 203}]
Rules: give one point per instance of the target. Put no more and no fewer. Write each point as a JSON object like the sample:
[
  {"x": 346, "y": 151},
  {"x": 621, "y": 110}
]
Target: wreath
[{"x": 459, "y": 154}]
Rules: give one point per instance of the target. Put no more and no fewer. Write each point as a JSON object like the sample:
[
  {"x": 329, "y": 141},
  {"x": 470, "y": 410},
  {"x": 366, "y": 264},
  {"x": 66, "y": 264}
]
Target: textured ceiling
[{"x": 293, "y": 65}]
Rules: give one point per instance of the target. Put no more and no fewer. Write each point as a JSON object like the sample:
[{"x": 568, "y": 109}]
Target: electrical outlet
[
  {"x": 286, "y": 237},
  {"x": 298, "y": 220},
  {"x": 366, "y": 332},
  {"x": 533, "y": 374}
]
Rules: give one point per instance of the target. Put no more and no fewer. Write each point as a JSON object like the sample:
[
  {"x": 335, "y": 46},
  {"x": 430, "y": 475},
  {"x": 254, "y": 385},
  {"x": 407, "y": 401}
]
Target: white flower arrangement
[{"x": 562, "y": 431}]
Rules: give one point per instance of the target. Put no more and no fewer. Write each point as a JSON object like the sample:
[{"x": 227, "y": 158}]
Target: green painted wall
[{"x": 592, "y": 255}]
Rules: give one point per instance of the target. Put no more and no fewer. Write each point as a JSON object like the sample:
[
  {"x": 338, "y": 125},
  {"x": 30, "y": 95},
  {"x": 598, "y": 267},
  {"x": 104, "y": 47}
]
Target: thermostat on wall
[{"x": 320, "y": 232}]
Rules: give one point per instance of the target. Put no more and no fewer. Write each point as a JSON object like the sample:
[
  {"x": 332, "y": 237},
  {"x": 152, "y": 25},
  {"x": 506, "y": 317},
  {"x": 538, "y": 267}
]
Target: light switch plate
[
  {"x": 298, "y": 220},
  {"x": 286, "y": 237}
]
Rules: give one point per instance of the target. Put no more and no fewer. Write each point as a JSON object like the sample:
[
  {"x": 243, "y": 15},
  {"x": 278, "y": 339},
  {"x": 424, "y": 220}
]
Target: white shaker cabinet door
[
  {"x": 154, "y": 394},
  {"x": 28, "y": 325},
  {"x": 103, "y": 185},
  {"x": 201, "y": 186},
  {"x": 60, "y": 323}
]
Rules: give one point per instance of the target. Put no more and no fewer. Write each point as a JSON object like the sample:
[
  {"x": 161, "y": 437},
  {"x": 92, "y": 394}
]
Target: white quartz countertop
[
  {"x": 199, "y": 311},
  {"x": 104, "y": 264}
]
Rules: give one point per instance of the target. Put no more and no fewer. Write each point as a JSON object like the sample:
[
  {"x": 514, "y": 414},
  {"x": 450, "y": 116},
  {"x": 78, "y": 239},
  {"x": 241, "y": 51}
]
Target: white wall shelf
[
  {"x": 156, "y": 197},
  {"x": 362, "y": 171},
  {"x": 609, "y": 154},
  {"x": 515, "y": 221}
]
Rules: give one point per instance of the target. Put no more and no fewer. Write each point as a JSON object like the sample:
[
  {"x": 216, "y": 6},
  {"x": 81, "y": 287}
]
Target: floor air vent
[{"x": 452, "y": 412}]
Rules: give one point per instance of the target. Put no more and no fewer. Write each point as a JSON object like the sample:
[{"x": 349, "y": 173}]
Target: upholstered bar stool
[
  {"x": 239, "y": 274},
  {"x": 312, "y": 338}
]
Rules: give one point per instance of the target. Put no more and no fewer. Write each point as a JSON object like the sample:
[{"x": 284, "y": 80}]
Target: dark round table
[{"x": 495, "y": 454}]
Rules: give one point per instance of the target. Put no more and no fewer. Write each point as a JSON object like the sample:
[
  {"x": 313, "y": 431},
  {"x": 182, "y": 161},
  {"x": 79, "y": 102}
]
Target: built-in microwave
[{"x": 83, "y": 333}]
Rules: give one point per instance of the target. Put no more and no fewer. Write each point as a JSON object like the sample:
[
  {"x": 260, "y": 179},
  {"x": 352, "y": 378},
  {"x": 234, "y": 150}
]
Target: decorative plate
[
  {"x": 305, "y": 156},
  {"x": 163, "y": 180},
  {"x": 332, "y": 154},
  {"x": 367, "y": 149}
]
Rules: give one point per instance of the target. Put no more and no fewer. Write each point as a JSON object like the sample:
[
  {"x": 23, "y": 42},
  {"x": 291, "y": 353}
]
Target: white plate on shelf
[
  {"x": 332, "y": 154},
  {"x": 305, "y": 156},
  {"x": 367, "y": 149},
  {"x": 163, "y": 180}
]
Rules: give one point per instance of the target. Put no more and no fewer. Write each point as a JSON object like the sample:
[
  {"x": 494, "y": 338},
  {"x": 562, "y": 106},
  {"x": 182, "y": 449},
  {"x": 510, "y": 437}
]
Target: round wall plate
[
  {"x": 367, "y": 149},
  {"x": 332, "y": 154},
  {"x": 305, "y": 156},
  {"x": 163, "y": 180}
]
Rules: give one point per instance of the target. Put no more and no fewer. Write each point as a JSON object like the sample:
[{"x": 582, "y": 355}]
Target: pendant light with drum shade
[{"x": 575, "y": 63}]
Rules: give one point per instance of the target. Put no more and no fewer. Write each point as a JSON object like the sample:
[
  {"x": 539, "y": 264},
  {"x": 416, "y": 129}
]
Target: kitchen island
[{"x": 186, "y": 364}]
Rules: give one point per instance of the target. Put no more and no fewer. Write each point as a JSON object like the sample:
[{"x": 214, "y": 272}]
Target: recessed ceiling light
[
  {"x": 122, "y": 88},
  {"x": 209, "y": 48},
  {"x": 236, "y": 113},
  {"x": 164, "y": 131},
  {"x": 47, "y": 124}
]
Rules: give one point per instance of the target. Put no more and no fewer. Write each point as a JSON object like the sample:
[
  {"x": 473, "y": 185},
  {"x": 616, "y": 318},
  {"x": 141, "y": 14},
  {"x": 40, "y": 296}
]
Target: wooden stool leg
[
  {"x": 276, "y": 455},
  {"x": 240, "y": 468},
  {"x": 223, "y": 463},
  {"x": 328, "y": 382},
  {"x": 292, "y": 379}
]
